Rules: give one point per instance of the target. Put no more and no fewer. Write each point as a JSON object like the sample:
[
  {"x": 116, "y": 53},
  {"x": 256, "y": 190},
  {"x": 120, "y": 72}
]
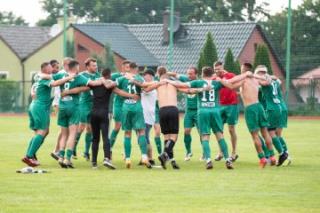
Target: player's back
[
  {"x": 167, "y": 95},
  {"x": 249, "y": 91}
]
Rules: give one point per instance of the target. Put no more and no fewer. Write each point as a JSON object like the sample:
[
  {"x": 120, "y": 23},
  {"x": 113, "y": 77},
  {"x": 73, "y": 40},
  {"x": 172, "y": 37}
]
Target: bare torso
[
  {"x": 167, "y": 95},
  {"x": 249, "y": 91}
]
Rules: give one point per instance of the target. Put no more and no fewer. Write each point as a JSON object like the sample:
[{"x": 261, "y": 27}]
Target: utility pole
[
  {"x": 65, "y": 17},
  {"x": 171, "y": 45},
  {"x": 288, "y": 53}
]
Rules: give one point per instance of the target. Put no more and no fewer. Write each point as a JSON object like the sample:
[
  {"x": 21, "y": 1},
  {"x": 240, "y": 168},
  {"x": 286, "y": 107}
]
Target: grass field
[{"x": 192, "y": 189}]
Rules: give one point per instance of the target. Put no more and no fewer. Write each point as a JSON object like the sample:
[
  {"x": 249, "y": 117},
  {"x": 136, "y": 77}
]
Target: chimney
[{"x": 166, "y": 25}]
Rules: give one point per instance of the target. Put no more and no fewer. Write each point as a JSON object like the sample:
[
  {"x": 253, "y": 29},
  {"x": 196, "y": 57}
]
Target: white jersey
[
  {"x": 57, "y": 94},
  {"x": 148, "y": 100}
]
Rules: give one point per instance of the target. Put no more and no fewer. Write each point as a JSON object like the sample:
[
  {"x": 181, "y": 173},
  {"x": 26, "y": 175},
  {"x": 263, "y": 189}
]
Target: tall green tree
[
  {"x": 208, "y": 53},
  {"x": 106, "y": 59},
  {"x": 8, "y": 18},
  {"x": 229, "y": 63},
  {"x": 237, "y": 67},
  {"x": 262, "y": 58}
]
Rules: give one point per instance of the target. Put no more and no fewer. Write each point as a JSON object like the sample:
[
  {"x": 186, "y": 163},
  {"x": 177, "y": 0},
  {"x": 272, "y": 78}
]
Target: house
[{"x": 308, "y": 85}]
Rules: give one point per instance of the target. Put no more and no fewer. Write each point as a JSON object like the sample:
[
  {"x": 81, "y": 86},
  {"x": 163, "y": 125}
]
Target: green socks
[
  {"x": 264, "y": 147},
  {"x": 69, "y": 154},
  {"x": 277, "y": 144},
  {"x": 260, "y": 155},
  {"x": 143, "y": 144},
  {"x": 127, "y": 147},
  {"x": 77, "y": 141},
  {"x": 223, "y": 147},
  {"x": 187, "y": 142},
  {"x": 113, "y": 137},
  {"x": 88, "y": 140},
  {"x": 35, "y": 145},
  {"x": 206, "y": 149},
  {"x": 61, "y": 153},
  {"x": 284, "y": 144},
  {"x": 158, "y": 144},
  {"x": 29, "y": 147}
]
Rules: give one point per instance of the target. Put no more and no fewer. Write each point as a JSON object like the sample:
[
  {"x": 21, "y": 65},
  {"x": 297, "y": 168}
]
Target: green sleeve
[
  {"x": 82, "y": 81},
  {"x": 46, "y": 82},
  {"x": 139, "y": 78},
  {"x": 114, "y": 76},
  {"x": 183, "y": 78},
  {"x": 57, "y": 76},
  {"x": 119, "y": 82},
  {"x": 217, "y": 85},
  {"x": 194, "y": 84}
]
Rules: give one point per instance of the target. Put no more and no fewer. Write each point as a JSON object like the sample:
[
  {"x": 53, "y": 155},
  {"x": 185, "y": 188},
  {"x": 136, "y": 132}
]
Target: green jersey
[
  {"x": 70, "y": 100},
  {"x": 271, "y": 95},
  {"x": 282, "y": 102},
  {"x": 86, "y": 97},
  {"x": 42, "y": 88},
  {"x": 192, "y": 102},
  {"x": 118, "y": 100},
  {"x": 125, "y": 85},
  {"x": 207, "y": 99}
]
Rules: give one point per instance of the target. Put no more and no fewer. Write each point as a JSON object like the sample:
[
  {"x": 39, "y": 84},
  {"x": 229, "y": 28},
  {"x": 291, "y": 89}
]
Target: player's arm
[
  {"x": 109, "y": 83},
  {"x": 178, "y": 84},
  {"x": 125, "y": 94},
  {"x": 240, "y": 77},
  {"x": 45, "y": 76},
  {"x": 173, "y": 74},
  {"x": 263, "y": 81},
  {"x": 194, "y": 90},
  {"x": 95, "y": 83},
  {"x": 33, "y": 92},
  {"x": 233, "y": 86},
  {"x": 62, "y": 81},
  {"x": 153, "y": 86},
  {"x": 75, "y": 90}
]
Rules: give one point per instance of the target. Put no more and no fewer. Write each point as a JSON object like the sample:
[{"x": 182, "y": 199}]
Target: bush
[{"x": 9, "y": 94}]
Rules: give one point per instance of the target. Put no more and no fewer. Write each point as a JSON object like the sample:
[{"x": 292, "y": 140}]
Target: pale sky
[{"x": 31, "y": 10}]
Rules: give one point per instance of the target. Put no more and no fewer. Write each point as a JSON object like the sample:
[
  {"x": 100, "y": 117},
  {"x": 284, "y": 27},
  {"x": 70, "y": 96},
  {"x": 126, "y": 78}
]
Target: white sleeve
[{"x": 56, "y": 98}]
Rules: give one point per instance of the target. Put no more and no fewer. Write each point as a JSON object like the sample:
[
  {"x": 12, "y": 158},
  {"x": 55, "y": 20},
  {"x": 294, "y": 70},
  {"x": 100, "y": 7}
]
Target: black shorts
[{"x": 169, "y": 120}]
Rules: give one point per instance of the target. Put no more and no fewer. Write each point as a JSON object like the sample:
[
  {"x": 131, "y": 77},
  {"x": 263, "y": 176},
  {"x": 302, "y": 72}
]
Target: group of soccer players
[{"x": 149, "y": 99}]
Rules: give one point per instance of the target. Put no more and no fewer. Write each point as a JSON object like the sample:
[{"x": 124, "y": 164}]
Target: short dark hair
[
  {"x": 88, "y": 61},
  {"x": 207, "y": 71},
  {"x": 217, "y": 63},
  {"x": 106, "y": 72},
  {"x": 149, "y": 72},
  {"x": 54, "y": 62},
  {"x": 161, "y": 70},
  {"x": 72, "y": 64},
  {"x": 44, "y": 65},
  {"x": 125, "y": 62},
  {"x": 133, "y": 65},
  {"x": 194, "y": 68},
  {"x": 248, "y": 66}
]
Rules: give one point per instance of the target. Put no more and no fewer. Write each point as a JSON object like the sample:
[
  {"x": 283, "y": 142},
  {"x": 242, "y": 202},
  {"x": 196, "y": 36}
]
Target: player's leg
[
  {"x": 149, "y": 147},
  {"x": 127, "y": 148},
  {"x": 70, "y": 144},
  {"x": 88, "y": 141},
  {"x": 266, "y": 136},
  {"x": 55, "y": 153},
  {"x": 233, "y": 136},
  {"x": 205, "y": 138},
  {"x": 157, "y": 139},
  {"x": 188, "y": 124},
  {"x": 143, "y": 147},
  {"x": 104, "y": 127},
  {"x": 80, "y": 129},
  {"x": 95, "y": 124},
  {"x": 258, "y": 146},
  {"x": 62, "y": 145},
  {"x": 117, "y": 116}
]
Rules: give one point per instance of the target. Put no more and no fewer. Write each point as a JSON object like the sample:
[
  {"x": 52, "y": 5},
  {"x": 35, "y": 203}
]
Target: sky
[{"x": 31, "y": 10}]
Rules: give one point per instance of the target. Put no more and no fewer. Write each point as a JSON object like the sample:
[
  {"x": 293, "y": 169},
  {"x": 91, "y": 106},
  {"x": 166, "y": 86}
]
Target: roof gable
[{"x": 24, "y": 40}]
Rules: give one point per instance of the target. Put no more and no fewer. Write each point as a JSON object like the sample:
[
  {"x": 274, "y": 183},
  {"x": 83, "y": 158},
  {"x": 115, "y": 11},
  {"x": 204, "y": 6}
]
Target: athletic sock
[
  {"x": 69, "y": 154},
  {"x": 187, "y": 142},
  {"x": 169, "y": 148},
  {"x": 113, "y": 137},
  {"x": 261, "y": 155},
  {"x": 78, "y": 136},
  {"x": 264, "y": 147},
  {"x": 61, "y": 153},
  {"x": 206, "y": 149},
  {"x": 36, "y": 143},
  {"x": 88, "y": 140},
  {"x": 277, "y": 144},
  {"x": 283, "y": 143},
  {"x": 142, "y": 144},
  {"x": 158, "y": 144},
  {"x": 224, "y": 148},
  {"x": 127, "y": 147},
  {"x": 29, "y": 146}
]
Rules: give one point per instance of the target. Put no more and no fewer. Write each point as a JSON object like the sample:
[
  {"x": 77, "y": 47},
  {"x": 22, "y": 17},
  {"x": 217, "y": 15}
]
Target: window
[
  {"x": 82, "y": 48},
  {"x": 4, "y": 75},
  {"x": 255, "y": 47}
]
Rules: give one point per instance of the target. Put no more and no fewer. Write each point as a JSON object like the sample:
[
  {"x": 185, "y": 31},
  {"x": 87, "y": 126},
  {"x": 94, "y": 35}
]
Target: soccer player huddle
[{"x": 144, "y": 100}]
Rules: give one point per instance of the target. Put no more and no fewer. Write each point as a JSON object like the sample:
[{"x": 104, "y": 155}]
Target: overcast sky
[{"x": 31, "y": 11}]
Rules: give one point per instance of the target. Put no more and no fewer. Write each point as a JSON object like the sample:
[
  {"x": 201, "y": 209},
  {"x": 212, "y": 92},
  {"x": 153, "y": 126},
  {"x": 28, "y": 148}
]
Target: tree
[
  {"x": 8, "y": 18},
  {"x": 208, "y": 53},
  {"x": 70, "y": 49},
  {"x": 237, "y": 66},
  {"x": 262, "y": 58},
  {"x": 229, "y": 63},
  {"x": 106, "y": 59}
]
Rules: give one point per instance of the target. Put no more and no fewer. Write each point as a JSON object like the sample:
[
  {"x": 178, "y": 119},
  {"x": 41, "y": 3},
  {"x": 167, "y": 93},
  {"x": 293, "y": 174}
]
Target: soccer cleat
[
  {"x": 218, "y": 157},
  {"x": 86, "y": 156},
  {"x": 289, "y": 160},
  {"x": 188, "y": 157},
  {"x": 229, "y": 164},
  {"x": 140, "y": 163},
  {"x": 107, "y": 163},
  {"x": 29, "y": 162},
  {"x": 152, "y": 162},
  {"x": 263, "y": 162},
  {"x": 94, "y": 165},
  {"x": 234, "y": 157},
  {"x": 74, "y": 155},
  {"x": 61, "y": 163},
  {"x": 68, "y": 164},
  {"x": 209, "y": 165},
  {"x": 174, "y": 165},
  {"x": 163, "y": 159},
  {"x": 146, "y": 163},
  {"x": 273, "y": 161},
  {"x": 54, "y": 156},
  {"x": 128, "y": 163},
  {"x": 282, "y": 158}
]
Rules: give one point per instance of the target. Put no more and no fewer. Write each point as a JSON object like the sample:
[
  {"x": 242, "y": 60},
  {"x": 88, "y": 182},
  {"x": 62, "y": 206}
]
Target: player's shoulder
[{"x": 229, "y": 75}]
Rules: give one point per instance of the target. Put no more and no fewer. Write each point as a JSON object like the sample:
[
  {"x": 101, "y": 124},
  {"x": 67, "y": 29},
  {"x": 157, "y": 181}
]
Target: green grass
[{"x": 192, "y": 189}]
